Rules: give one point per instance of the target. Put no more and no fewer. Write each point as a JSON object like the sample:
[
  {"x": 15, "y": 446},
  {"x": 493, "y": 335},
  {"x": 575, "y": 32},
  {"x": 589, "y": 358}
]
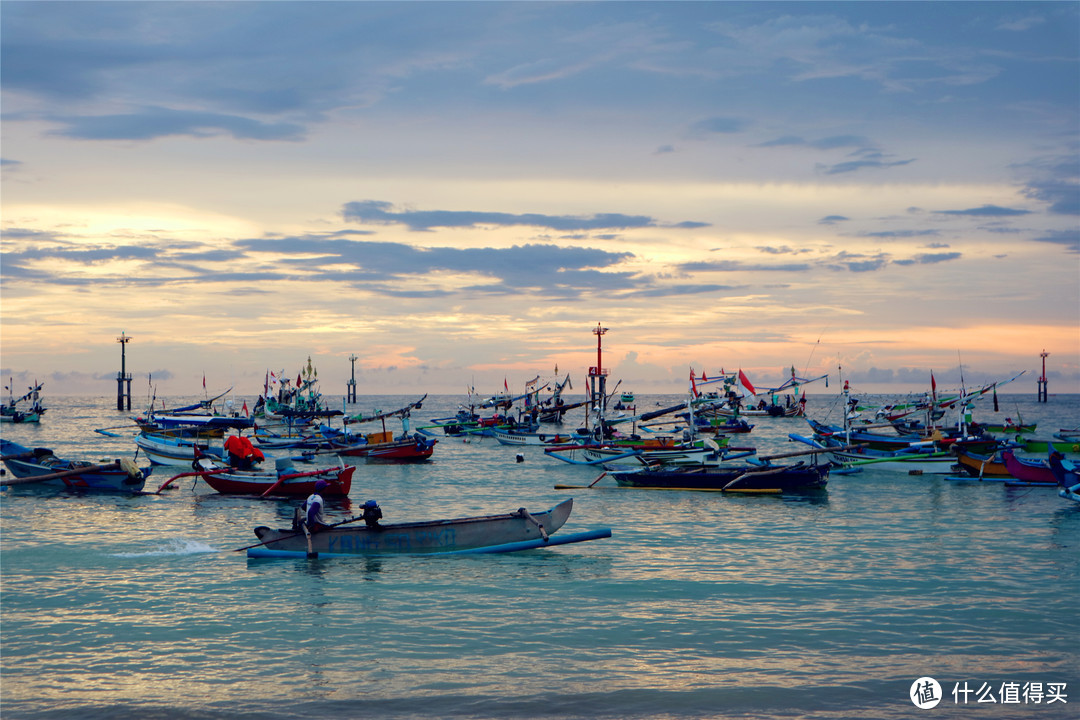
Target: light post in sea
[
  {"x": 351, "y": 394},
  {"x": 598, "y": 377},
  {"x": 123, "y": 376},
  {"x": 1041, "y": 382}
]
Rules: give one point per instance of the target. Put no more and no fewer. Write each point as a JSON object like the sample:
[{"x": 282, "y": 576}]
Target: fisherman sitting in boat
[
  {"x": 242, "y": 454},
  {"x": 310, "y": 514}
]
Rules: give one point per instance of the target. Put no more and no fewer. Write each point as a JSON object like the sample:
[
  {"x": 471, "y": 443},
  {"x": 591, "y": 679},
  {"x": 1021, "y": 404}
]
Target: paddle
[
  {"x": 759, "y": 491},
  {"x": 293, "y": 476},
  {"x": 307, "y": 534},
  {"x": 61, "y": 474},
  {"x": 295, "y": 534},
  {"x": 17, "y": 456}
]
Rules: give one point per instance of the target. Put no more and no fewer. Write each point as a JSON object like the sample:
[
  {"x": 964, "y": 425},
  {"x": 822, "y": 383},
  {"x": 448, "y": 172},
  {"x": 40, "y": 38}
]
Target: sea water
[{"x": 700, "y": 605}]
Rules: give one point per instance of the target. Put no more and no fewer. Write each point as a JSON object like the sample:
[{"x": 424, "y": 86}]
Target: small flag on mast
[{"x": 746, "y": 382}]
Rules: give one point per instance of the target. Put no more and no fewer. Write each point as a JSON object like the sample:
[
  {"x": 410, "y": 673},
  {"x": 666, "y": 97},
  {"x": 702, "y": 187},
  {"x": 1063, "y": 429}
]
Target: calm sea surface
[{"x": 701, "y": 605}]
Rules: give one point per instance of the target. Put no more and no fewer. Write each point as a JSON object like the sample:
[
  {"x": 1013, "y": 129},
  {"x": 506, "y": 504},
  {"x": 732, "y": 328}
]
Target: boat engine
[{"x": 372, "y": 514}]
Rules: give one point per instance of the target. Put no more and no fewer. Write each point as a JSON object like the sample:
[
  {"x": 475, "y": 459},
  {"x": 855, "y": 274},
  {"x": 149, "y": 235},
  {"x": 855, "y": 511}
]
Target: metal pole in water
[
  {"x": 123, "y": 375},
  {"x": 352, "y": 381},
  {"x": 1042, "y": 379}
]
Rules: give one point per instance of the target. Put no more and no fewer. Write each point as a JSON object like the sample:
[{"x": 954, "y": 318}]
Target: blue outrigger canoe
[
  {"x": 39, "y": 467},
  {"x": 508, "y": 532}
]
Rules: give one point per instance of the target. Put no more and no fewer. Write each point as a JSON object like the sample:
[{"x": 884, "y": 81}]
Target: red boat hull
[
  {"x": 1033, "y": 471},
  {"x": 339, "y": 479},
  {"x": 397, "y": 451}
]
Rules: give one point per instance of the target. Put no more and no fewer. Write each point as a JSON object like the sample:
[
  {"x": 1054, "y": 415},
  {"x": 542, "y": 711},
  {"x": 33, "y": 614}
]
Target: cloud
[
  {"x": 782, "y": 250},
  {"x": 679, "y": 289},
  {"x": 929, "y": 259},
  {"x": 826, "y": 143},
  {"x": 383, "y": 213},
  {"x": 1021, "y": 24},
  {"x": 5, "y": 162},
  {"x": 533, "y": 266},
  {"x": 986, "y": 211},
  {"x": 156, "y": 122},
  {"x": 540, "y": 71},
  {"x": 1069, "y": 238},
  {"x": 716, "y": 125},
  {"x": 854, "y": 165},
  {"x": 858, "y": 263},
  {"x": 832, "y": 219},
  {"x": 1056, "y": 182},
  {"x": 735, "y": 266},
  {"x": 900, "y": 234}
]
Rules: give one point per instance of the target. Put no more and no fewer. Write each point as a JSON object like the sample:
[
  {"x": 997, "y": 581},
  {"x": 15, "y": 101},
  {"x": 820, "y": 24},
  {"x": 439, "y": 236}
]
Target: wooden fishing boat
[
  {"x": 507, "y": 532},
  {"x": 507, "y": 436},
  {"x": 414, "y": 448},
  {"x": 1065, "y": 440},
  {"x": 653, "y": 451},
  {"x": 913, "y": 460},
  {"x": 719, "y": 425},
  {"x": 176, "y": 447},
  {"x": 1068, "y": 477},
  {"x": 377, "y": 446},
  {"x": 281, "y": 480},
  {"x": 382, "y": 446},
  {"x": 41, "y": 467},
  {"x": 729, "y": 478},
  {"x": 12, "y": 413},
  {"x": 796, "y": 410},
  {"x": 203, "y": 414},
  {"x": 1027, "y": 470},
  {"x": 1008, "y": 427},
  {"x": 308, "y": 439},
  {"x": 980, "y": 465}
]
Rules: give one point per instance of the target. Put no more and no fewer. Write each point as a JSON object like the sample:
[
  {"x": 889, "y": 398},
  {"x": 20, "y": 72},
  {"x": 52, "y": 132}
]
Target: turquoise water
[{"x": 701, "y": 605}]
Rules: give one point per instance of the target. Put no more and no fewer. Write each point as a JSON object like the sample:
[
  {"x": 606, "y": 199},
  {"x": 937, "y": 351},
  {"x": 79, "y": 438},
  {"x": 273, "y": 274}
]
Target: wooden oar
[
  {"x": 816, "y": 451},
  {"x": 307, "y": 534},
  {"x": 17, "y": 456},
  {"x": 61, "y": 474},
  {"x": 293, "y": 476},
  {"x": 295, "y": 534},
  {"x": 762, "y": 491}
]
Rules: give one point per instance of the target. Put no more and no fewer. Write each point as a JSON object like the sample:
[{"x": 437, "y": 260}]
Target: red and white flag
[{"x": 745, "y": 382}]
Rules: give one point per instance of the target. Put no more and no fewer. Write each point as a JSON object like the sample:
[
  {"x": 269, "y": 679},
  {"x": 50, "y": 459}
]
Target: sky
[{"x": 457, "y": 194}]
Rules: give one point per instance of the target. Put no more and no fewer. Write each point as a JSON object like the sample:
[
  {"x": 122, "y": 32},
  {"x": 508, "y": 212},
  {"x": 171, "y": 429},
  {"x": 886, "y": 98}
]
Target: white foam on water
[{"x": 175, "y": 546}]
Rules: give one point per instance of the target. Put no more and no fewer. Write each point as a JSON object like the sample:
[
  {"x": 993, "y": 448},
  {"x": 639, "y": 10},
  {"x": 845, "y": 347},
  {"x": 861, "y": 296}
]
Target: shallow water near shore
[{"x": 701, "y": 605}]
